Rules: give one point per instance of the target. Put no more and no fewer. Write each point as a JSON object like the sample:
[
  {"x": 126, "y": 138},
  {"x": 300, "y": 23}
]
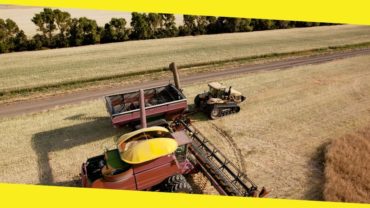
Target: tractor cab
[{"x": 217, "y": 90}]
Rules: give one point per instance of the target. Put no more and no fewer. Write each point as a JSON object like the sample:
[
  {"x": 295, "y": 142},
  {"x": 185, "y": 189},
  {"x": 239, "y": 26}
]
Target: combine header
[{"x": 221, "y": 172}]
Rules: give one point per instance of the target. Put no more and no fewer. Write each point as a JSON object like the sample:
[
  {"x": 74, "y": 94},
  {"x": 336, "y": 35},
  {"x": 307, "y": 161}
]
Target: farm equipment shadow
[
  {"x": 71, "y": 183},
  {"x": 197, "y": 115},
  {"x": 317, "y": 178},
  {"x": 94, "y": 129}
]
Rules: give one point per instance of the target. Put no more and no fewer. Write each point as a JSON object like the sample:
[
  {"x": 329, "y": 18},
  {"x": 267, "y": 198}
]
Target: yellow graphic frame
[{"x": 349, "y": 12}]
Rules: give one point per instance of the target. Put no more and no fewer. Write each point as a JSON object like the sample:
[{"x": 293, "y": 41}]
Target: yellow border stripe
[
  {"x": 353, "y": 12},
  {"x": 48, "y": 196}
]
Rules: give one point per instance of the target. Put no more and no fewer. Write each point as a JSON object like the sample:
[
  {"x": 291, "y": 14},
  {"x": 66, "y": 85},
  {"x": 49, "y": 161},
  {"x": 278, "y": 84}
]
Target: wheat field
[
  {"x": 37, "y": 68},
  {"x": 289, "y": 119},
  {"x": 347, "y": 168},
  {"x": 281, "y": 132}
]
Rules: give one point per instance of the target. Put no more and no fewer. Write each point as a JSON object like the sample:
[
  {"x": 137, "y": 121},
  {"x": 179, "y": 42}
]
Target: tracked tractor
[{"x": 219, "y": 101}]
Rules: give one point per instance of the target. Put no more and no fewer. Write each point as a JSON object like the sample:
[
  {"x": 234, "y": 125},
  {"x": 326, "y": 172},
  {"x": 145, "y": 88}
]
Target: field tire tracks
[{"x": 237, "y": 152}]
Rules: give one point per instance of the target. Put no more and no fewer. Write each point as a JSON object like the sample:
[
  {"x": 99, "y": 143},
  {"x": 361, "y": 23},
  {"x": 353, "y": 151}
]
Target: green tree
[
  {"x": 10, "y": 36},
  {"x": 301, "y": 24},
  {"x": 221, "y": 25},
  {"x": 306, "y": 24},
  {"x": 4, "y": 47},
  {"x": 20, "y": 41},
  {"x": 282, "y": 24},
  {"x": 201, "y": 25},
  {"x": 141, "y": 28},
  {"x": 84, "y": 31},
  {"x": 194, "y": 25},
  {"x": 155, "y": 25},
  {"x": 54, "y": 26},
  {"x": 115, "y": 31},
  {"x": 245, "y": 25},
  {"x": 189, "y": 25},
  {"x": 45, "y": 21},
  {"x": 262, "y": 24},
  {"x": 230, "y": 25},
  {"x": 224, "y": 25},
  {"x": 63, "y": 22},
  {"x": 292, "y": 24},
  {"x": 211, "y": 27},
  {"x": 36, "y": 43},
  {"x": 169, "y": 25}
]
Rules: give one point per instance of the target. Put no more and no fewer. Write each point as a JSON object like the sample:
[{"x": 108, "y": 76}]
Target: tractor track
[
  {"x": 36, "y": 105},
  {"x": 237, "y": 152}
]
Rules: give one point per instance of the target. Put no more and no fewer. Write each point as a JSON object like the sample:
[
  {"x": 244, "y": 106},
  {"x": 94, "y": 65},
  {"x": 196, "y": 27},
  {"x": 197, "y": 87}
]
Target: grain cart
[
  {"x": 166, "y": 101},
  {"x": 219, "y": 101}
]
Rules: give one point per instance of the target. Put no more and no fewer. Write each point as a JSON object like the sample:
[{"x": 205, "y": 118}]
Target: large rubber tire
[
  {"x": 182, "y": 187},
  {"x": 215, "y": 113},
  {"x": 175, "y": 179},
  {"x": 172, "y": 181}
]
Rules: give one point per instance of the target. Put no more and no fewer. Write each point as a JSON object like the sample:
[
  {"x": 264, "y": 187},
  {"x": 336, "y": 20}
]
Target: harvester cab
[{"x": 219, "y": 100}]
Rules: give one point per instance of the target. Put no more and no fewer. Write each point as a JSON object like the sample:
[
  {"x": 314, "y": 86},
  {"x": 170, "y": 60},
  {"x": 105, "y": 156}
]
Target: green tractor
[{"x": 219, "y": 101}]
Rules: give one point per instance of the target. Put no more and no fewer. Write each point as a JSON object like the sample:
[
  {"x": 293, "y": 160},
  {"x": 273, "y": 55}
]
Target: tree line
[{"x": 57, "y": 29}]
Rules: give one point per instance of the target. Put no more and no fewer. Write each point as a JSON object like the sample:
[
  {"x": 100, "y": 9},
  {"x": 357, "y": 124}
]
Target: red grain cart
[{"x": 162, "y": 101}]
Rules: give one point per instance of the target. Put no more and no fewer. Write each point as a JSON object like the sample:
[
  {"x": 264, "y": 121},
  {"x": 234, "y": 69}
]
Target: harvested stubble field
[
  {"x": 347, "y": 169},
  {"x": 39, "y": 68},
  {"x": 285, "y": 124}
]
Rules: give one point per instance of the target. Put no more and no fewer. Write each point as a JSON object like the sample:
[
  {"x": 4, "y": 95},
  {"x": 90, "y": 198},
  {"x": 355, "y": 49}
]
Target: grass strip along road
[{"x": 50, "y": 102}]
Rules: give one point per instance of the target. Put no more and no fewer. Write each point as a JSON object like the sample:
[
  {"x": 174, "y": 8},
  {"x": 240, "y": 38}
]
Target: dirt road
[{"x": 85, "y": 95}]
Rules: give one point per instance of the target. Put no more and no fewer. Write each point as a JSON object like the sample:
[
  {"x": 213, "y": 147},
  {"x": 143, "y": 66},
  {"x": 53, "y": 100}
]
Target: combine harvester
[{"x": 159, "y": 157}]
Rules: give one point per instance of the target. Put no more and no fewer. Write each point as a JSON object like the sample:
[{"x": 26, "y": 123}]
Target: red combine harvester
[
  {"x": 146, "y": 159},
  {"x": 158, "y": 158}
]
